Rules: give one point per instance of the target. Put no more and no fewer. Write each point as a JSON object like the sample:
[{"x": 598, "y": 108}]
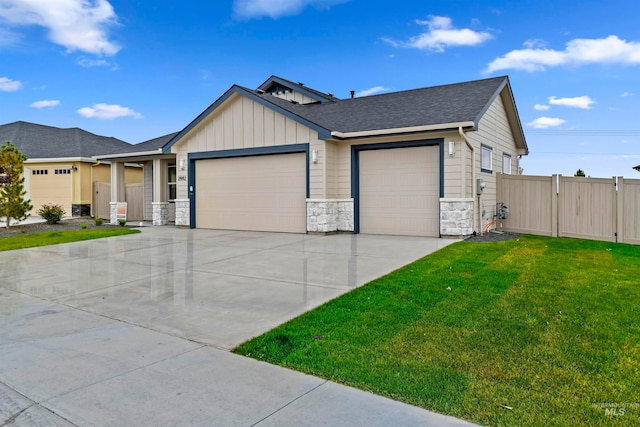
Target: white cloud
[
  {"x": 88, "y": 63},
  {"x": 372, "y": 91},
  {"x": 8, "y": 85},
  {"x": 583, "y": 102},
  {"x": 441, "y": 35},
  {"x": 535, "y": 44},
  {"x": 45, "y": 103},
  {"x": 578, "y": 52},
  {"x": 75, "y": 24},
  {"x": 541, "y": 107},
  {"x": 545, "y": 122},
  {"x": 275, "y": 9},
  {"x": 108, "y": 112},
  {"x": 624, "y": 94}
]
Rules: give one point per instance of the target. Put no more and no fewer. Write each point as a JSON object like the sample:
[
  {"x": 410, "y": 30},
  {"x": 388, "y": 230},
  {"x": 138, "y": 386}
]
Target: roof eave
[
  {"x": 59, "y": 160},
  {"x": 155, "y": 153},
  {"x": 404, "y": 130}
]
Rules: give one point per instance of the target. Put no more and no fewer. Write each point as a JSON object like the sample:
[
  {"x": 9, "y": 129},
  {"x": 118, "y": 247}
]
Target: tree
[
  {"x": 579, "y": 172},
  {"x": 12, "y": 202}
]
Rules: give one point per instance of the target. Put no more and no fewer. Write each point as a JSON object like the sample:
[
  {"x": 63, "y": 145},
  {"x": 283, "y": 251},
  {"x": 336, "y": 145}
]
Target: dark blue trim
[
  {"x": 322, "y": 132},
  {"x": 192, "y": 191},
  {"x": 355, "y": 168},
  {"x": 293, "y": 86},
  {"x": 244, "y": 152}
]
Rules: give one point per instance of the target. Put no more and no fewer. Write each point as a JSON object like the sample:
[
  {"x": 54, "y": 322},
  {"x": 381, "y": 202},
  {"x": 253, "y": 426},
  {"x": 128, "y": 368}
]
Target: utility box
[{"x": 502, "y": 211}]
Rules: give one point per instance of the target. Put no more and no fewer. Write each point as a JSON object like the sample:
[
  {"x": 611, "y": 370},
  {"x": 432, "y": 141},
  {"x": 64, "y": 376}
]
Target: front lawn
[
  {"x": 529, "y": 332},
  {"x": 54, "y": 237}
]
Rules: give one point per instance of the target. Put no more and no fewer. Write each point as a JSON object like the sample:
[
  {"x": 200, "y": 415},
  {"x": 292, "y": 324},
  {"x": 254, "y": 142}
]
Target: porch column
[
  {"x": 117, "y": 190},
  {"x": 160, "y": 193}
]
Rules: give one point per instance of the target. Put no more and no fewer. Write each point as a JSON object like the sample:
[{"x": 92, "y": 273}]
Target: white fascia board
[
  {"x": 412, "y": 129},
  {"x": 61, "y": 159},
  {"x": 137, "y": 154}
]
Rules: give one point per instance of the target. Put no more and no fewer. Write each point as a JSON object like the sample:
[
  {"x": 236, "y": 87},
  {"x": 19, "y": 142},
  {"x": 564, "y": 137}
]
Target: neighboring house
[
  {"x": 60, "y": 167},
  {"x": 288, "y": 158},
  {"x": 637, "y": 168}
]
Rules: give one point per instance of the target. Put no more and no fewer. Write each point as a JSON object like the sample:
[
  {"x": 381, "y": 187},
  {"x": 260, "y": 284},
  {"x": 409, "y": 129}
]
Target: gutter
[
  {"x": 441, "y": 126},
  {"x": 476, "y": 207}
]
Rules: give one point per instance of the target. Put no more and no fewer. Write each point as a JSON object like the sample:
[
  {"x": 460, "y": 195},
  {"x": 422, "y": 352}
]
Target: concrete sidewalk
[{"x": 91, "y": 333}]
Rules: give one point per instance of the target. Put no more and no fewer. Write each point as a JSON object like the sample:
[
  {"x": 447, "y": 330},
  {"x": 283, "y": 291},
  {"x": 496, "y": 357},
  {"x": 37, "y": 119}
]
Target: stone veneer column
[
  {"x": 113, "y": 213},
  {"x": 456, "y": 217},
  {"x": 183, "y": 214},
  {"x": 160, "y": 213},
  {"x": 329, "y": 215}
]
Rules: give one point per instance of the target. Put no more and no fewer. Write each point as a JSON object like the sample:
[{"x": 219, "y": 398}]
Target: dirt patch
[
  {"x": 495, "y": 237},
  {"x": 64, "y": 225}
]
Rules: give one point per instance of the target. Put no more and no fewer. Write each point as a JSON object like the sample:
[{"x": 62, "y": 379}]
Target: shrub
[
  {"x": 83, "y": 226},
  {"x": 122, "y": 222},
  {"x": 98, "y": 221},
  {"x": 51, "y": 213}
]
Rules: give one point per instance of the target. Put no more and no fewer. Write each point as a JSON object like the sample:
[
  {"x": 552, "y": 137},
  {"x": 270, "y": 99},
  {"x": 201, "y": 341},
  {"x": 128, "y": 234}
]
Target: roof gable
[{"x": 275, "y": 84}]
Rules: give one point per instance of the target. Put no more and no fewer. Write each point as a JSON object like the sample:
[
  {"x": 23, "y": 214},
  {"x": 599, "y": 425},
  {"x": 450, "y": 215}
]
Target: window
[
  {"x": 172, "y": 181},
  {"x": 487, "y": 159},
  {"x": 40, "y": 172},
  {"x": 506, "y": 164},
  {"x": 63, "y": 171}
]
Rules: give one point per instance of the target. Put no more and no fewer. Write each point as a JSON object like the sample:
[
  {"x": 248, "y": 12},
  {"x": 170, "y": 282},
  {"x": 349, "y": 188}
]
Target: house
[
  {"x": 288, "y": 158},
  {"x": 60, "y": 167},
  {"x": 637, "y": 168}
]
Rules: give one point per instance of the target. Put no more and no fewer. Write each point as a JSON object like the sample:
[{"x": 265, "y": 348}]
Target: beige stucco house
[
  {"x": 288, "y": 158},
  {"x": 60, "y": 168}
]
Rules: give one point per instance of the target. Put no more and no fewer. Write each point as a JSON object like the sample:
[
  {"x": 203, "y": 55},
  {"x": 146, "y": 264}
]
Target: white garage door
[
  {"x": 400, "y": 191},
  {"x": 260, "y": 193}
]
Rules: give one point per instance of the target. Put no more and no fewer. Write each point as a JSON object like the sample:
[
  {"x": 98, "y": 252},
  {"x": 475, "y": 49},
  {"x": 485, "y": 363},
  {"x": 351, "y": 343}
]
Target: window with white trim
[
  {"x": 506, "y": 164},
  {"x": 172, "y": 182},
  {"x": 487, "y": 159}
]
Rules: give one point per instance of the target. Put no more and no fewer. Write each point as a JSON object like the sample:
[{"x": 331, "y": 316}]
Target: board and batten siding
[
  {"x": 296, "y": 96},
  {"x": 241, "y": 123},
  {"x": 493, "y": 131}
]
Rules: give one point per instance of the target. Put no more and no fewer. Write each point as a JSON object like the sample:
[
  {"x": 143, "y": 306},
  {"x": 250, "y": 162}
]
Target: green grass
[
  {"x": 534, "y": 332},
  {"x": 53, "y": 238}
]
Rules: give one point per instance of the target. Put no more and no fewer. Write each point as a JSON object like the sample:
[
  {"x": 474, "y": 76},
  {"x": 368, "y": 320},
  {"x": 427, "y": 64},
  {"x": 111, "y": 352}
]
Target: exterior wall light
[
  {"x": 452, "y": 148},
  {"x": 181, "y": 162},
  {"x": 314, "y": 156}
]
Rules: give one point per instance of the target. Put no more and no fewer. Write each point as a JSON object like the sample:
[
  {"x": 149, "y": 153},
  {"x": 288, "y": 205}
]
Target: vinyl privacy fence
[{"x": 589, "y": 208}]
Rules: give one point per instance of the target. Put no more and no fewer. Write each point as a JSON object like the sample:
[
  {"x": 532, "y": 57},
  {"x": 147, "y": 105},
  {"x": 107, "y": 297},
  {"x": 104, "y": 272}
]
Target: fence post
[
  {"x": 620, "y": 210},
  {"x": 555, "y": 185}
]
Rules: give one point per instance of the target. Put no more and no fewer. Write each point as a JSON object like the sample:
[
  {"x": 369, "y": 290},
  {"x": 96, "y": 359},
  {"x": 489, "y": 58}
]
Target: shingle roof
[
  {"x": 151, "y": 145},
  {"x": 438, "y": 107},
  {"x": 43, "y": 142},
  {"x": 460, "y": 102}
]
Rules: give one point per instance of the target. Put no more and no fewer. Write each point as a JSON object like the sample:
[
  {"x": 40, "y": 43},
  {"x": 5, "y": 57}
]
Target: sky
[{"x": 139, "y": 69}]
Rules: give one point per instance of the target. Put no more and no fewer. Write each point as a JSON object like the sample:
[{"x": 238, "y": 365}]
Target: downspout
[{"x": 476, "y": 206}]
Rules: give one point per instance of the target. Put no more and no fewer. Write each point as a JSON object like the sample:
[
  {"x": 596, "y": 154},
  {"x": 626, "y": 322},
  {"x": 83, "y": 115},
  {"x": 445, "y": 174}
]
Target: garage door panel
[
  {"x": 261, "y": 193},
  {"x": 50, "y": 189},
  {"x": 400, "y": 191}
]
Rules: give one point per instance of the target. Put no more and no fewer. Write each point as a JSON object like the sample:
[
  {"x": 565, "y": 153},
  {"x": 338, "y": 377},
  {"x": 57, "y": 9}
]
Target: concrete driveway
[{"x": 134, "y": 330}]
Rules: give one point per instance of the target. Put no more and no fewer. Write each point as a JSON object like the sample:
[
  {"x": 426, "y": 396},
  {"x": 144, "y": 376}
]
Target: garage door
[
  {"x": 400, "y": 191},
  {"x": 50, "y": 186},
  {"x": 260, "y": 193}
]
